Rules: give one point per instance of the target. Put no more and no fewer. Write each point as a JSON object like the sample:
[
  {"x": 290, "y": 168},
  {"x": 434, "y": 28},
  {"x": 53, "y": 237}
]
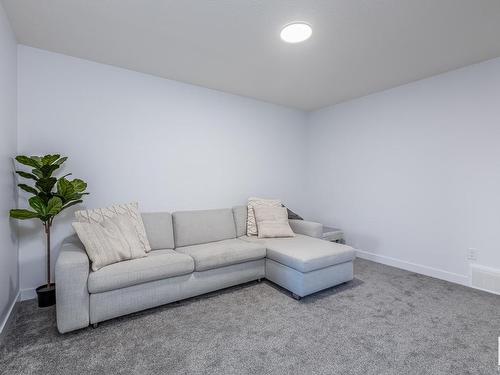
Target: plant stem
[{"x": 47, "y": 235}]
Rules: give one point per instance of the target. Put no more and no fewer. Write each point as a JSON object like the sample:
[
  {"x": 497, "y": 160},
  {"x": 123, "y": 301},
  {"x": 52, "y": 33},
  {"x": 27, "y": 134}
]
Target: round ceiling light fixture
[{"x": 296, "y": 32}]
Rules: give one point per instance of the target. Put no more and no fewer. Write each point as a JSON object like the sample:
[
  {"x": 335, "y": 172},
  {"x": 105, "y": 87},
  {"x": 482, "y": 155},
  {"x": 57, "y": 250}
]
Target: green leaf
[
  {"x": 23, "y": 214},
  {"x": 49, "y": 159},
  {"x": 54, "y": 206},
  {"x": 79, "y": 185},
  {"x": 29, "y": 161},
  {"x": 71, "y": 204},
  {"x": 65, "y": 189},
  {"x": 27, "y": 175},
  {"x": 28, "y": 188},
  {"x": 47, "y": 170},
  {"x": 37, "y": 172},
  {"x": 38, "y": 205},
  {"x": 62, "y": 160},
  {"x": 45, "y": 197},
  {"x": 46, "y": 184}
]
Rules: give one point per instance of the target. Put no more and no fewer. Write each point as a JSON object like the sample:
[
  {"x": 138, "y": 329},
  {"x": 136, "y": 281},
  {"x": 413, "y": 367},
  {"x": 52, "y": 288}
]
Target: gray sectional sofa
[{"x": 194, "y": 252}]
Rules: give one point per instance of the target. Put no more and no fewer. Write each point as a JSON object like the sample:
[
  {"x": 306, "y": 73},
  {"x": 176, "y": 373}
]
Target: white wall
[
  {"x": 9, "y": 284},
  {"x": 412, "y": 174},
  {"x": 165, "y": 144}
]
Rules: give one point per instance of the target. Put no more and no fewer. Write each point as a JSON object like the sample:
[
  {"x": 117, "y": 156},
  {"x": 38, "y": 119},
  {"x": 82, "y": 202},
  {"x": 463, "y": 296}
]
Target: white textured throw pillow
[
  {"x": 131, "y": 210},
  {"x": 110, "y": 241},
  {"x": 273, "y": 222},
  {"x": 258, "y": 202},
  {"x": 130, "y": 236}
]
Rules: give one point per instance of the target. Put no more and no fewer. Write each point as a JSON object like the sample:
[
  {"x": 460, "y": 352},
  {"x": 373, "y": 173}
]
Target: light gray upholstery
[
  {"x": 305, "y": 283},
  {"x": 305, "y": 253},
  {"x": 223, "y": 253},
  {"x": 72, "y": 272},
  {"x": 119, "y": 302},
  {"x": 159, "y": 264},
  {"x": 207, "y": 257},
  {"x": 307, "y": 228},
  {"x": 197, "y": 227},
  {"x": 159, "y": 230},
  {"x": 240, "y": 219}
]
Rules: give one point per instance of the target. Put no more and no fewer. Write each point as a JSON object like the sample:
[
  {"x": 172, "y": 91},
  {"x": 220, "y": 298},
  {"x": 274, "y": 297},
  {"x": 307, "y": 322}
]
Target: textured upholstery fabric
[
  {"x": 119, "y": 302},
  {"x": 72, "y": 272},
  {"x": 258, "y": 202},
  {"x": 110, "y": 241},
  {"x": 197, "y": 227},
  {"x": 272, "y": 222},
  {"x": 223, "y": 253},
  {"x": 307, "y": 228},
  {"x": 159, "y": 230},
  {"x": 304, "y": 253},
  {"x": 240, "y": 214},
  {"x": 159, "y": 264},
  {"x": 129, "y": 209},
  {"x": 305, "y": 283},
  {"x": 301, "y": 264}
]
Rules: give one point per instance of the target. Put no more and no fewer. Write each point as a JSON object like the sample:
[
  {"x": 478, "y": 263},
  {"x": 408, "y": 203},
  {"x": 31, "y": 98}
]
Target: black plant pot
[{"x": 46, "y": 295}]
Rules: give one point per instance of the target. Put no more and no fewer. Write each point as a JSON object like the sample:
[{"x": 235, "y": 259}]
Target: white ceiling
[{"x": 357, "y": 47}]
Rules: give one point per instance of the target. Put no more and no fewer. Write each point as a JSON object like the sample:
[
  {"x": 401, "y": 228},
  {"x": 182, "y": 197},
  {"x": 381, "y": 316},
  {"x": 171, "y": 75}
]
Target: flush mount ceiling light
[{"x": 296, "y": 32}]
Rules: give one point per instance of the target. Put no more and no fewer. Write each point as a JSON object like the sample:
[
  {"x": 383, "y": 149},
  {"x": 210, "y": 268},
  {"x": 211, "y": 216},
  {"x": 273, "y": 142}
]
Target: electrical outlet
[{"x": 472, "y": 254}]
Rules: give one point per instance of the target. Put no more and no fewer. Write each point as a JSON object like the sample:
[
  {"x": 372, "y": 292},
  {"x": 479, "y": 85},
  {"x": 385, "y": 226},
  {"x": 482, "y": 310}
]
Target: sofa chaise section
[
  {"x": 306, "y": 254},
  {"x": 308, "y": 265},
  {"x": 305, "y": 265}
]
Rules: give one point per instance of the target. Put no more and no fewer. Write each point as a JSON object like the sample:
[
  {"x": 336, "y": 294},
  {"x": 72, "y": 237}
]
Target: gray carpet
[{"x": 386, "y": 321}]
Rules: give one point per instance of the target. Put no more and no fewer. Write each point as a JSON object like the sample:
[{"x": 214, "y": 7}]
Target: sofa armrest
[
  {"x": 308, "y": 228},
  {"x": 72, "y": 296}
]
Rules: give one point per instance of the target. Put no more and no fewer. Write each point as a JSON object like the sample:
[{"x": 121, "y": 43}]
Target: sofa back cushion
[
  {"x": 240, "y": 220},
  {"x": 159, "y": 230},
  {"x": 197, "y": 227}
]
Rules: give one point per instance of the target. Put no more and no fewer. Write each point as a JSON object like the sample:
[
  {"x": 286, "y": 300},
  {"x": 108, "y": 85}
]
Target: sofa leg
[
  {"x": 94, "y": 325},
  {"x": 296, "y": 297}
]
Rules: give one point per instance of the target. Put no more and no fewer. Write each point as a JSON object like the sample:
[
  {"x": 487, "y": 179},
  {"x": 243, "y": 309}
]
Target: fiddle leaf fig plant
[{"x": 50, "y": 195}]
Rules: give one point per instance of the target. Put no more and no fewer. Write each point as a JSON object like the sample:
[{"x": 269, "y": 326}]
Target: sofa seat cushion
[
  {"x": 223, "y": 253},
  {"x": 304, "y": 253},
  {"x": 157, "y": 265}
]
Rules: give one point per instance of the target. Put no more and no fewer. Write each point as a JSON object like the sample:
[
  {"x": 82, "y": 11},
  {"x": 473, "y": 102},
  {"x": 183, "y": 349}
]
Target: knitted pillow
[{"x": 131, "y": 210}]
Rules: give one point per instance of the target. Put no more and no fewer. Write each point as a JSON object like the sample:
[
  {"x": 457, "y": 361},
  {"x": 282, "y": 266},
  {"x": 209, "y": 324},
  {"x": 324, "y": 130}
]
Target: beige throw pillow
[
  {"x": 273, "y": 222},
  {"x": 130, "y": 236},
  {"x": 258, "y": 202},
  {"x": 110, "y": 241},
  {"x": 131, "y": 210}
]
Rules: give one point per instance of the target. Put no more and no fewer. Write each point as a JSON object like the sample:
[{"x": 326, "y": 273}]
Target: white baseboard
[
  {"x": 9, "y": 317},
  {"x": 414, "y": 267},
  {"x": 27, "y": 294}
]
